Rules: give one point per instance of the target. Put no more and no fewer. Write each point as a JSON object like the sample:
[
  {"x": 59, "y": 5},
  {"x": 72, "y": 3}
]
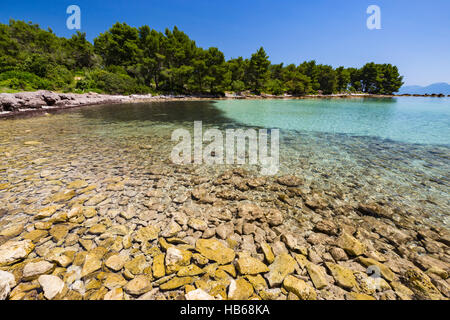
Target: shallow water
[{"x": 395, "y": 151}]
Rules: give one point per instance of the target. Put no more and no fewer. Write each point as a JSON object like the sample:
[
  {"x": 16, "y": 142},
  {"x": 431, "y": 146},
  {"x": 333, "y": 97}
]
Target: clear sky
[{"x": 415, "y": 34}]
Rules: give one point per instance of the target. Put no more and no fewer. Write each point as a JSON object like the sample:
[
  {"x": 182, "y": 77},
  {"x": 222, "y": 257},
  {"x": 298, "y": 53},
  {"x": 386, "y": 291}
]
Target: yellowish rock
[
  {"x": 46, "y": 212},
  {"x": 35, "y": 235},
  {"x": 89, "y": 212},
  {"x": 114, "y": 280},
  {"x": 59, "y": 232},
  {"x": 299, "y": 287},
  {"x": 97, "y": 229},
  {"x": 191, "y": 270},
  {"x": 63, "y": 196},
  {"x": 384, "y": 270},
  {"x": 176, "y": 282},
  {"x": 176, "y": 258},
  {"x": 92, "y": 264},
  {"x": 158, "y": 268},
  {"x": 139, "y": 285},
  {"x": 12, "y": 231},
  {"x": 77, "y": 184},
  {"x": 257, "y": 282},
  {"x": 351, "y": 245},
  {"x": 358, "y": 296},
  {"x": 282, "y": 266},
  {"x": 268, "y": 252},
  {"x": 114, "y": 294},
  {"x": 240, "y": 289},
  {"x": 116, "y": 262},
  {"x": 214, "y": 250},
  {"x": 145, "y": 234},
  {"x": 344, "y": 277},
  {"x": 252, "y": 266},
  {"x": 137, "y": 265},
  {"x": 421, "y": 284}
]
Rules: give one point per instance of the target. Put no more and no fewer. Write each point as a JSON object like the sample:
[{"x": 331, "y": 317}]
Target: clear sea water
[
  {"x": 405, "y": 119},
  {"x": 393, "y": 150}
]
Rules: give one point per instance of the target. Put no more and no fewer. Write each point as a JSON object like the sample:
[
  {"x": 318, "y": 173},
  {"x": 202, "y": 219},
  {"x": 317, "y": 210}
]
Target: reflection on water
[{"x": 170, "y": 112}]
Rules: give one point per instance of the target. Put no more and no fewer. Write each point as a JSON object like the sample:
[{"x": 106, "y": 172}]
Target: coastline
[{"x": 38, "y": 102}]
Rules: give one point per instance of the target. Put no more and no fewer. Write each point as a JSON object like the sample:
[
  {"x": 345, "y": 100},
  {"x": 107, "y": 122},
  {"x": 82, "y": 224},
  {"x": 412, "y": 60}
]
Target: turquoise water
[
  {"x": 403, "y": 119},
  {"x": 394, "y": 151}
]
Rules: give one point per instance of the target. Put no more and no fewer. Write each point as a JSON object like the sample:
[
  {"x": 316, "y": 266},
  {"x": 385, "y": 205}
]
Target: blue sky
[{"x": 414, "y": 36}]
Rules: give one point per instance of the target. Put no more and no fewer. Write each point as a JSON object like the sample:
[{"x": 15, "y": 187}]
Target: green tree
[
  {"x": 119, "y": 45},
  {"x": 258, "y": 70}
]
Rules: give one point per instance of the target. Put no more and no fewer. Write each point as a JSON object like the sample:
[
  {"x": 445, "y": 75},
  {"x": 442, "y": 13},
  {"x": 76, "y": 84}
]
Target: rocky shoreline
[{"x": 29, "y": 103}]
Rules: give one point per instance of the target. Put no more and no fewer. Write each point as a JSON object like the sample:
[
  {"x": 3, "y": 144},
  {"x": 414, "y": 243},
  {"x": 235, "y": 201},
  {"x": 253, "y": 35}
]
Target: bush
[
  {"x": 111, "y": 83},
  {"x": 60, "y": 77},
  {"x": 21, "y": 80}
]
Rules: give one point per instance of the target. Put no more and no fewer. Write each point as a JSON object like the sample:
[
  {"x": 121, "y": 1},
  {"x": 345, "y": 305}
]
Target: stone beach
[{"x": 87, "y": 215}]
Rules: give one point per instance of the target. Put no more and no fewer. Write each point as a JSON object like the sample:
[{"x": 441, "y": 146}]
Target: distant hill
[{"x": 437, "y": 88}]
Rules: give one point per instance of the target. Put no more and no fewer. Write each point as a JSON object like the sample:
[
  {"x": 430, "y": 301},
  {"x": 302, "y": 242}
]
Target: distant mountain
[{"x": 437, "y": 88}]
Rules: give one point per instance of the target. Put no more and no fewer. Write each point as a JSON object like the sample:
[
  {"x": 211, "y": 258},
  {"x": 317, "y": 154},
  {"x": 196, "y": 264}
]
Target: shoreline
[{"x": 34, "y": 103}]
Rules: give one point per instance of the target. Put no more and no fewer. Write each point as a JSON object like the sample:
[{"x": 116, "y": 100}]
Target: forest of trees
[{"x": 126, "y": 60}]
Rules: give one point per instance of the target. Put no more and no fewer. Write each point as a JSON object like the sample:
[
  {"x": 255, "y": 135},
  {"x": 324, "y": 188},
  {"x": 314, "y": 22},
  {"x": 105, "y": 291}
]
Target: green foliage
[
  {"x": 20, "y": 80},
  {"x": 125, "y": 60},
  {"x": 258, "y": 70}
]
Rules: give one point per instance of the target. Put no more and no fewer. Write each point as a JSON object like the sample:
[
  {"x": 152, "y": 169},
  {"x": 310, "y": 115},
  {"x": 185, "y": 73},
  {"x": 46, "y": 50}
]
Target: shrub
[{"x": 21, "y": 80}]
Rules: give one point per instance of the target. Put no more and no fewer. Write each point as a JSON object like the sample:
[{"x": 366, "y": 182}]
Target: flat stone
[
  {"x": 116, "y": 262},
  {"x": 214, "y": 250},
  {"x": 14, "y": 251},
  {"x": 145, "y": 234},
  {"x": 12, "y": 231},
  {"x": 198, "y": 294},
  {"x": 97, "y": 229},
  {"x": 384, "y": 270},
  {"x": 35, "y": 235},
  {"x": 299, "y": 287},
  {"x": 268, "y": 252},
  {"x": 114, "y": 280},
  {"x": 171, "y": 230},
  {"x": 351, "y": 245},
  {"x": 240, "y": 289},
  {"x": 317, "y": 276},
  {"x": 197, "y": 224},
  {"x": 344, "y": 277},
  {"x": 137, "y": 265},
  {"x": 63, "y": 196},
  {"x": 114, "y": 294},
  {"x": 358, "y": 296},
  {"x": 158, "y": 268},
  {"x": 46, "y": 212},
  {"x": 139, "y": 285},
  {"x": 176, "y": 282},
  {"x": 59, "y": 232},
  {"x": 282, "y": 266},
  {"x": 91, "y": 264},
  {"x": 176, "y": 258},
  {"x": 252, "y": 266},
  {"x": 290, "y": 181},
  {"x": 191, "y": 270},
  {"x": 52, "y": 285},
  {"x": 77, "y": 184},
  {"x": 35, "y": 269}
]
